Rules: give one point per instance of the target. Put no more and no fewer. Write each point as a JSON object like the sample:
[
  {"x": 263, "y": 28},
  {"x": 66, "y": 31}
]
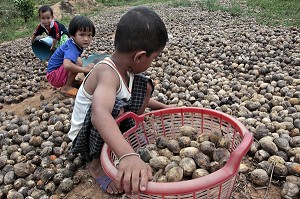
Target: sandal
[
  {"x": 72, "y": 92},
  {"x": 103, "y": 181}
]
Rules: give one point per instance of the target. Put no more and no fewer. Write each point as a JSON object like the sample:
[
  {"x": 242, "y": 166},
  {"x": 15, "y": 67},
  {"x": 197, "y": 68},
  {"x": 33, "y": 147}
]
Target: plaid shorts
[{"x": 89, "y": 142}]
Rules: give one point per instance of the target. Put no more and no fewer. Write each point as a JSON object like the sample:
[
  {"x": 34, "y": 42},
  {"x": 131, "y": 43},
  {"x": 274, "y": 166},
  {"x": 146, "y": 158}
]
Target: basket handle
[
  {"x": 126, "y": 115},
  {"x": 237, "y": 155}
]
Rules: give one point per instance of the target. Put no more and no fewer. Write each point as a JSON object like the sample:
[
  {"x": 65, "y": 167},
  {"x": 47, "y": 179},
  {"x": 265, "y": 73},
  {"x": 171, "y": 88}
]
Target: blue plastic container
[
  {"x": 94, "y": 58},
  {"x": 41, "y": 48}
]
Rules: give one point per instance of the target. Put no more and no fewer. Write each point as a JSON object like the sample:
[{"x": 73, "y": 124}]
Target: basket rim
[{"x": 194, "y": 185}]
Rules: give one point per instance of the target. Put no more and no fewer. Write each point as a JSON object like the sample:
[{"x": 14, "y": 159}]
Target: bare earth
[{"x": 88, "y": 189}]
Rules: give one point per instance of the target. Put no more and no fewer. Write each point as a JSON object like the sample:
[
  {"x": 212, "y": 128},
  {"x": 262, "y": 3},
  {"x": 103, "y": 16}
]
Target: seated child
[
  {"x": 66, "y": 62},
  {"x": 52, "y": 28},
  {"x": 114, "y": 86}
]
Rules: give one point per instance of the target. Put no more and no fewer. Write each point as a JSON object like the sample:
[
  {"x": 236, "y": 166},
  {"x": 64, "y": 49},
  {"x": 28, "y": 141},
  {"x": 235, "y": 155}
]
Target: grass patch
[
  {"x": 276, "y": 12},
  {"x": 128, "y": 2}
]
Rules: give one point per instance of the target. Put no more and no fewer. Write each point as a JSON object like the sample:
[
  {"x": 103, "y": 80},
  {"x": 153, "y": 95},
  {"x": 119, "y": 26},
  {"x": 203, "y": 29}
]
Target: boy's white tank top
[
  {"x": 124, "y": 91},
  {"x": 84, "y": 100}
]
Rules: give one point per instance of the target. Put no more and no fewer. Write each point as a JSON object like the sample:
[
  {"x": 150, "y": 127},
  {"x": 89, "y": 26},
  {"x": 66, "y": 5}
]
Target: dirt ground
[{"x": 88, "y": 189}]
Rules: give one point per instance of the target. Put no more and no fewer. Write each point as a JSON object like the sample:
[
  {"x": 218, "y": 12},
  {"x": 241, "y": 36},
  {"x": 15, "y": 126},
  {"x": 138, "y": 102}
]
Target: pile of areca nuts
[{"x": 188, "y": 156}]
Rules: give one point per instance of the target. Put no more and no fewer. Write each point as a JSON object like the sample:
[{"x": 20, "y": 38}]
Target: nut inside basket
[{"x": 167, "y": 125}]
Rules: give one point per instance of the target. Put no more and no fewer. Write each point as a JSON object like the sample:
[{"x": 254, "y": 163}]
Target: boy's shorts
[
  {"x": 89, "y": 142},
  {"x": 58, "y": 77}
]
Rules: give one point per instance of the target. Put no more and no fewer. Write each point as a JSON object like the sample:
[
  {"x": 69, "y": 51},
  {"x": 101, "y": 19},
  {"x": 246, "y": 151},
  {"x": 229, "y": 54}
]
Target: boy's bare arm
[
  {"x": 133, "y": 174},
  {"x": 156, "y": 105}
]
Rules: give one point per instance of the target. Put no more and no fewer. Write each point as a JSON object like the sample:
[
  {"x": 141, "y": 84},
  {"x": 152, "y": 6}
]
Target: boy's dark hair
[
  {"x": 44, "y": 9},
  {"x": 81, "y": 23},
  {"x": 140, "y": 29}
]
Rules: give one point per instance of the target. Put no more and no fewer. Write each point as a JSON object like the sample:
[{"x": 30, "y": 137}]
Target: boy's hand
[
  {"x": 52, "y": 48},
  {"x": 89, "y": 67},
  {"x": 133, "y": 175}
]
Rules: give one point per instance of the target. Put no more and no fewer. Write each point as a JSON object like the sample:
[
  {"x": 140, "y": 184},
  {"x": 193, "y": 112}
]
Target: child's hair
[
  {"x": 81, "y": 23},
  {"x": 44, "y": 9},
  {"x": 140, "y": 29}
]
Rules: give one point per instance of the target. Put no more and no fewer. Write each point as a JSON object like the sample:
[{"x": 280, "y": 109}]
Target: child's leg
[
  {"x": 71, "y": 78},
  {"x": 89, "y": 143},
  {"x": 69, "y": 81},
  {"x": 96, "y": 171},
  {"x": 57, "y": 77},
  {"x": 68, "y": 89}
]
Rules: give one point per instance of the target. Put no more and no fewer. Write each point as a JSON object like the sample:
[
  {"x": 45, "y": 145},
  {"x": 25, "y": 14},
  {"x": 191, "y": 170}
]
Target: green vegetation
[
  {"x": 276, "y": 12},
  {"x": 270, "y": 12},
  {"x": 25, "y": 8}
]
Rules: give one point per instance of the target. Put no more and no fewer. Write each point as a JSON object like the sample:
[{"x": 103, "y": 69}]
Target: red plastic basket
[{"x": 167, "y": 122}]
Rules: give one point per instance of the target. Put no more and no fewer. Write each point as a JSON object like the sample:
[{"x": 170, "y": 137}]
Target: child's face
[
  {"x": 83, "y": 38},
  {"x": 46, "y": 18}
]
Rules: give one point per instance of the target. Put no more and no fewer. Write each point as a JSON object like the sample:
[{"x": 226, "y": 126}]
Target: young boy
[
  {"x": 113, "y": 87},
  {"x": 52, "y": 28},
  {"x": 66, "y": 62}
]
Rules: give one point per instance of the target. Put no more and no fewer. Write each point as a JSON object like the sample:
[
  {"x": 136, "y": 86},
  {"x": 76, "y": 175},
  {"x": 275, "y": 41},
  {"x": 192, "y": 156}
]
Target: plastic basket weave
[{"x": 167, "y": 122}]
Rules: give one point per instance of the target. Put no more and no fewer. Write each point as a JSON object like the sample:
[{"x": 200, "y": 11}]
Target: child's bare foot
[{"x": 105, "y": 183}]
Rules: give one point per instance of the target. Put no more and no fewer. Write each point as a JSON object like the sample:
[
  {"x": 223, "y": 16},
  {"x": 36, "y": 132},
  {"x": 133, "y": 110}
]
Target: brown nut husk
[
  {"x": 221, "y": 154},
  {"x": 188, "y": 165},
  {"x": 174, "y": 146},
  {"x": 202, "y": 160},
  {"x": 199, "y": 173},
  {"x": 184, "y": 141},
  {"x": 215, "y": 135},
  {"x": 170, "y": 166},
  {"x": 188, "y": 152},
  {"x": 144, "y": 154},
  {"x": 223, "y": 142},
  {"x": 207, "y": 147},
  {"x": 165, "y": 152},
  {"x": 202, "y": 137},
  {"x": 175, "y": 174},
  {"x": 159, "y": 162},
  {"x": 162, "y": 142},
  {"x": 187, "y": 131}
]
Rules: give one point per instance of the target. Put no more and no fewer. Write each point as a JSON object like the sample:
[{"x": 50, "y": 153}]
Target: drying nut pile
[{"x": 190, "y": 155}]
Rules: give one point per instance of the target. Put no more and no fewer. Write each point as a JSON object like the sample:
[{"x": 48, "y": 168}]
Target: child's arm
[
  {"x": 38, "y": 31},
  {"x": 33, "y": 38},
  {"x": 70, "y": 66},
  {"x": 156, "y": 105},
  {"x": 133, "y": 173},
  {"x": 53, "y": 44}
]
